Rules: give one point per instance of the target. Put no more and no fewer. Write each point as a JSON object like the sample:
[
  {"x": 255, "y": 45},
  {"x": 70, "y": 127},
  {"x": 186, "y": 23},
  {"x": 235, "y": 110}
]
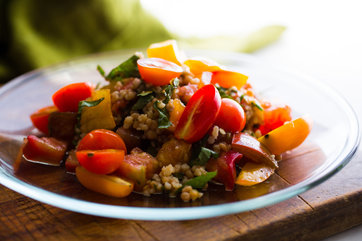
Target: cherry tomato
[
  {"x": 157, "y": 71},
  {"x": 227, "y": 78},
  {"x": 40, "y": 118},
  {"x": 101, "y": 161},
  {"x": 167, "y": 50},
  {"x": 101, "y": 151},
  {"x": 199, "y": 114},
  {"x": 45, "y": 150},
  {"x": 274, "y": 116},
  {"x": 68, "y": 97},
  {"x": 198, "y": 65},
  {"x": 231, "y": 116},
  {"x": 101, "y": 139},
  {"x": 106, "y": 184}
]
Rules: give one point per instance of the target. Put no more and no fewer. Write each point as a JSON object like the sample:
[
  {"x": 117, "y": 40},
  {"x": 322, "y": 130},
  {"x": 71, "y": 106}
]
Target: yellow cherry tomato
[
  {"x": 254, "y": 173},
  {"x": 167, "y": 50},
  {"x": 288, "y": 136},
  {"x": 106, "y": 184}
]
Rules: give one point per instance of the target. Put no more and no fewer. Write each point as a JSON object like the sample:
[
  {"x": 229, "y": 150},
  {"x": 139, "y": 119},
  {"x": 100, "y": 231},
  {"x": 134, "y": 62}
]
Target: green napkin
[{"x": 37, "y": 33}]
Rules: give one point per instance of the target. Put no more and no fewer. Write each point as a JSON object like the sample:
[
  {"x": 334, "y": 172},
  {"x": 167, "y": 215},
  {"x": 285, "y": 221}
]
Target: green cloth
[{"x": 37, "y": 33}]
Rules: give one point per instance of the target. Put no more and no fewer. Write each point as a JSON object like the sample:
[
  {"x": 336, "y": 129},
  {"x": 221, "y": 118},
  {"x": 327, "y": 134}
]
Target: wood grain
[{"x": 327, "y": 209}]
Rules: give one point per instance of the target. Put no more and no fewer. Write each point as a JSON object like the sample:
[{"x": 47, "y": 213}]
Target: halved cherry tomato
[
  {"x": 157, "y": 71},
  {"x": 101, "y": 139},
  {"x": 274, "y": 116},
  {"x": 101, "y": 161},
  {"x": 167, "y": 50},
  {"x": 198, "y": 65},
  {"x": 199, "y": 115},
  {"x": 68, "y": 97},
  {"x": 288, "y": 136},
  {"x": 106, "y": 184},
  {"x": 227, "y": 78},
  {"x": 101, "y": 151},
  {"x": 225, "y": 167},
  {"x": 231, "y": 116},
  {"x": 46, "y": 150},
  {"x": 40, "y": 118}
]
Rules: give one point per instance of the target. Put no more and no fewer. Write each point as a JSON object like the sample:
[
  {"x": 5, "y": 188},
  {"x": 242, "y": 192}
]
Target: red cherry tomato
[
  {"x": 274, "y": 116},
  {"x": 158, "y": 71},
  {"x": 68, "y": 97},
  {"x": 231, "y": 116},
  {"x": 227, "y": 78},
  {"x": 101, "y": 139},
  {"x": 199, "y": 114},
  {"x": 100, "y": 161},
  {"x": 101, "y": 151},
  {"x": 40, "y": 118}
]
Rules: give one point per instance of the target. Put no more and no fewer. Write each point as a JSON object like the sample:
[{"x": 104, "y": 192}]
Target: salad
[{"x": 165, "y": 123}]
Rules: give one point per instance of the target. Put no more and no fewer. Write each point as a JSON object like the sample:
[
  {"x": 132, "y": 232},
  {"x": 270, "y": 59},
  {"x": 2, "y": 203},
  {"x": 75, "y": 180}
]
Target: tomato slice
[
  {"x": 158, "y": 71},
  {"x": 40, "y": 118},
  {"x": 199, "y": 114},
  {"x": 45, "y": 150},
  {"x": 231, "y": 116},
  {"x": 198, "y": 65},
  {"x": 106, "y": 184},
  {"x": 100, "y": 161},
  {"x": 101, "y": 139},
  {"x": 227, "y": 78},
  {"x": 167, "y": 50},
  {"x": 68, "y": 97},
  {"x": 274, "y": 116}
]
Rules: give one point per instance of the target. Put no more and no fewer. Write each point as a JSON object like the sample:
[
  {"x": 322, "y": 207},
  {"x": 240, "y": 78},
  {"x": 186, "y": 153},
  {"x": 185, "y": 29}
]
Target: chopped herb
[
  {"x": 200, "y": 181},
  {"x": 90, "y": 154},
  {"x": 101, "y": 71},
  {"x": 242, "y": 97},
  {"x": 126, "y": 69},
  {"x": 144, "y": 98},
  {"x": 257, "y": 105},
  {"x": 204, "y": 156},
  {"x": 169, "y": 89},
  {"x": 98, "y": 86},
  {"x": 224, "y": 92},
  {"x": 163, "y": 121},
  {"x": 85, "y": 103}
]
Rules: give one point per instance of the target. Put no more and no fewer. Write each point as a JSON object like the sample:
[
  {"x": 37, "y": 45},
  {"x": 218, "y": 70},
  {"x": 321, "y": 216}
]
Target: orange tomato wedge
[
  {"x": 288, "y": 136},
  {"x": 167, "y": 50},
  {"x": 228, "y": 78},
  {"x": 198, "y": 65},
  {"x": 254, "y": 173},
  {"x": 157, "y": 71},
  {"x": 106, "y": 184}
]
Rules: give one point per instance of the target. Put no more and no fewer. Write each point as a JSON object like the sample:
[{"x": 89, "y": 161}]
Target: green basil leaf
[
  {"x": 205, "y": 154},
  {"x": 163, "y": 121},
  {"x": 126, "y": 69},
  {"x": 85, "y": 103},
  {"x": 143, "y": 99},
  {"x": 200, "y": 181}
]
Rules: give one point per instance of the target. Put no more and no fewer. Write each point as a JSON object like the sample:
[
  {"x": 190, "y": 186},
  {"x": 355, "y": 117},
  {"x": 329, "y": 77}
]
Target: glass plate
[{"x": 332, "y": 143}]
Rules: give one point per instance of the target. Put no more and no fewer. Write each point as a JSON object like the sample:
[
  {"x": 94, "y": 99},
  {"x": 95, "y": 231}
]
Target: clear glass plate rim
[{"x": 147, "y": 213}]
